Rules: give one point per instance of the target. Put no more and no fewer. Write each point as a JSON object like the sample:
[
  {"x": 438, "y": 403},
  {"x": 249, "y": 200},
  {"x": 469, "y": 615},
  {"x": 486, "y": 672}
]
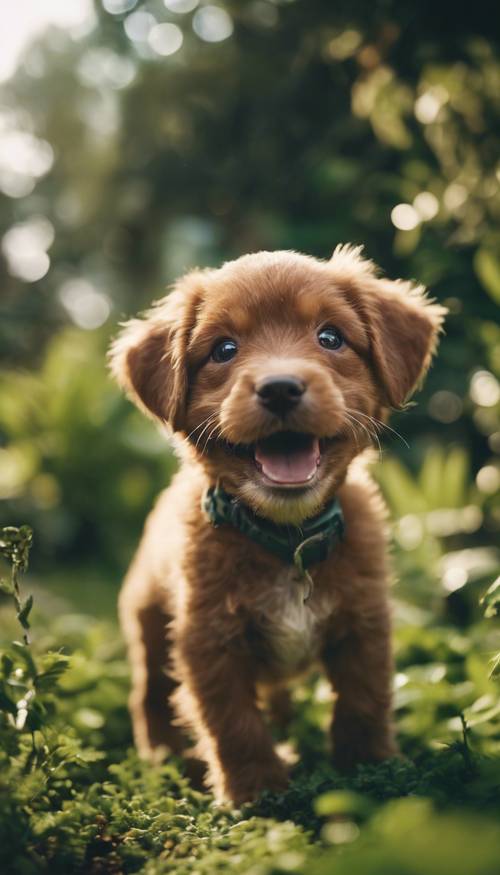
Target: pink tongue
[{"x": 296, "y": 466}]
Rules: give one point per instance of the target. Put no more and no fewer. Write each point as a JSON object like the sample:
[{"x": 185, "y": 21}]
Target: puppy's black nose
[{"x": 280, "y": 394}]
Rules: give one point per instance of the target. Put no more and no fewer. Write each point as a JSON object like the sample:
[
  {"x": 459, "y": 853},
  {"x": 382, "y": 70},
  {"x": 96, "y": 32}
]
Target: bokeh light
[
  {"x": 488, "y": 479},
  {"x": 405, "y": 217},
  {"x": 426, "y": 205},
  {"x": 485, "y": 389},
  {"x": 25, "y": 248},
  {"x": 428, "y": 105},
  {"x": 24, "y": 158},
  {"x": 138, "y": 25},
  {"x": 454, "y": 578},
  {"x": 88, "y": 307},
  {"x": 165, "y": 39},
  {"x": 212, "y": 24},
  {"x": 445, "y": 406}
]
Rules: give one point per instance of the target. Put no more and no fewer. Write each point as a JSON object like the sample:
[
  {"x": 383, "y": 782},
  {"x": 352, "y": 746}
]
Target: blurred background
[{"x": 139, "y": 138}]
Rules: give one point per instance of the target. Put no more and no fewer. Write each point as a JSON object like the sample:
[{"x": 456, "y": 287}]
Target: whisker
[
  {"x": 209, "y": 438},
  {"x": 223, "y": 436},
  {"x": 353, "y": 432},
  {"x": 397, "y": 433},
  {"x": 361, "y": 424},
  {"x": 198, "y": 439},
  {"x": 373, "y": 436},
  {"x": 210, "y": 422},
  {"x": 200, "y": 424},
  {"x": 378, "y": 424}
]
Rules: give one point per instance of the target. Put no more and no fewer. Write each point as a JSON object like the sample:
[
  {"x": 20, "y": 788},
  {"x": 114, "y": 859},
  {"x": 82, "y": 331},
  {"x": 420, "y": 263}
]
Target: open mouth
[{"x": 288, "y": 458}]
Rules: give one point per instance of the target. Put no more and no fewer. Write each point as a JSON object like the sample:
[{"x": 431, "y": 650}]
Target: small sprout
[{"x": 15, "y": 545}]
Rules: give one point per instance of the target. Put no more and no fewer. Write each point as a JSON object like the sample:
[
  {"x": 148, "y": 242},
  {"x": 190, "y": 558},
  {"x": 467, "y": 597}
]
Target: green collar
[{"x": 300, "y": 546}]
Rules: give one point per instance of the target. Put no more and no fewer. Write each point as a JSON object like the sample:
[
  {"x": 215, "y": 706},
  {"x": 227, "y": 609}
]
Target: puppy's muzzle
[{"x": 280, "y": 394}]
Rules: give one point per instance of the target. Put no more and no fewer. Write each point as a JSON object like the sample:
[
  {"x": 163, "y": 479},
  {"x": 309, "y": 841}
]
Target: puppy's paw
[
  {"x": 248, "y": 783},
  {"x": 362, "y": 746}
]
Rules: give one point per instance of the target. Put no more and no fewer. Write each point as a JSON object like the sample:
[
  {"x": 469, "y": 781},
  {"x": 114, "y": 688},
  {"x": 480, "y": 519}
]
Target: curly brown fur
[{"x": 211, "y": 618}]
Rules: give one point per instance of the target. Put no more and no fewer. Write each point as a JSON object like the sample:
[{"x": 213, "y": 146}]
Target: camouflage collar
[{"x": 300, "y": 546}]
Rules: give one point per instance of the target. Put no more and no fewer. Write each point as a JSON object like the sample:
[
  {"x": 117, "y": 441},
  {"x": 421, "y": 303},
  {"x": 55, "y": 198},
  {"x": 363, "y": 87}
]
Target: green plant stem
[{"x": 17, "y": 597}]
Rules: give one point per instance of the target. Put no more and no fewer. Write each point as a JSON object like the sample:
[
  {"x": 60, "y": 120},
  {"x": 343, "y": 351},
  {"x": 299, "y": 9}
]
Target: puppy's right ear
[{"x": 148, "y": 357}]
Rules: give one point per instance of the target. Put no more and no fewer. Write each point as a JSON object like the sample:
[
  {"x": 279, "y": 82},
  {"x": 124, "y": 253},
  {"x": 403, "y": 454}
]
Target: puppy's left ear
[
  {"x": 148, "y": 357},
  {"x": 404, "y": 325}
]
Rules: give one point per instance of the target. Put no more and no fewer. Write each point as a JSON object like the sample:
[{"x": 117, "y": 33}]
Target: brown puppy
[{"x": 274, "y": 372}]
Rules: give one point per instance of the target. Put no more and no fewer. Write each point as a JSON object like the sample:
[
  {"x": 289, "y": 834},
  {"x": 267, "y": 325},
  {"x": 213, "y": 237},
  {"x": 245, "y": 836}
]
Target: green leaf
[
  {"x": 431, "y": 477},
  {"x": 7, "y": 665},
  {"x": 487, "y": 267},
  {"x": 491, "y": 599},
  {"x": 6, "y": 703},
  {"x": 24, "y": 613},
  {"x": 455, "y": 477},
  {"x": 343, "y": 802},
  {"x": 23, "y": 652},
  {"x": 53, "y": 666},
  {"x": 495, "y": 666},
  {"x": 403, "y": 494}
]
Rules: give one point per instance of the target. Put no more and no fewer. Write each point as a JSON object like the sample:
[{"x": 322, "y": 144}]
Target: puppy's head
[{"x": 277, "y": 368}]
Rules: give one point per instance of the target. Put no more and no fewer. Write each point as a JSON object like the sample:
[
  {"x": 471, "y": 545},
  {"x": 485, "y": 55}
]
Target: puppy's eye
[
  {"x": 224, "y": 350},
  {"x": 330, "y": 337}
]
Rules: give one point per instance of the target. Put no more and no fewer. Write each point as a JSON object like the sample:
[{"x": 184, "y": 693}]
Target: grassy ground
[{"x": 74, "y": 798}]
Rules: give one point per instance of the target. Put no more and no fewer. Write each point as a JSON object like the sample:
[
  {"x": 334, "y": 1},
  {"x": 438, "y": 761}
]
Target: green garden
[{"x": 138, "y": 139}]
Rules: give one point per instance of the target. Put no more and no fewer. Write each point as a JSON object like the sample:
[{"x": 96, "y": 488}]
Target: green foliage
[
  {"x": 408, "y": 837},
  {"x": 80, "y": 461},
  {"x": 25, "y": 684}
]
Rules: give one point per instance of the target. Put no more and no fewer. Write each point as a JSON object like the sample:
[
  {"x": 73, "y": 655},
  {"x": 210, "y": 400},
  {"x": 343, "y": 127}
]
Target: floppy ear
[
  {"x": 404, "y": 325},
  {"x": 148, "y": 357}
]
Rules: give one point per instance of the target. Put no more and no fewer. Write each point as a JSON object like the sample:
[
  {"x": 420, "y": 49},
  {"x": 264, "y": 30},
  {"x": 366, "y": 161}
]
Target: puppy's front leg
[
  {"x": 360, "y": 670},
  {"x": 217, "y": 701}
]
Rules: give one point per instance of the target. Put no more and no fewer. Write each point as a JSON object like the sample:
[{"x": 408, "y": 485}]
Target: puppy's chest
[{"x": 288, "y": 626}]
